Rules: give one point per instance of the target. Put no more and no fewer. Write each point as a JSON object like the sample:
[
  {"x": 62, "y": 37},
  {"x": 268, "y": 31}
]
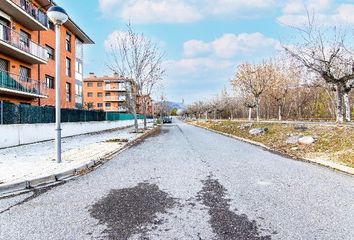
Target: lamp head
[{"x": 57, "y": 15}]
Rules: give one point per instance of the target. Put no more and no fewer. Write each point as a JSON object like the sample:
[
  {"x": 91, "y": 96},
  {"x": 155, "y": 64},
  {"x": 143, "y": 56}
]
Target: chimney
[{"x": 92, "y": 75}]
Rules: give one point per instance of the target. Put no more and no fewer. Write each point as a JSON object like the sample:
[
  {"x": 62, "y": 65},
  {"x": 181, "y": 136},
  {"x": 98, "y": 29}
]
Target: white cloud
[
  {"x": 179, "y": 11},
  {"x": 326, "y": 12},
  {"x": 300, "y": 6},
  {"x": 111, "y": 40},
  {"x": 159, "y": 11},
  {"x": 208, "y": 66},
  {"x": 229, "y": 45},
  {"x": 193, "y": 47},
  {"x": 345, "y": 13}
]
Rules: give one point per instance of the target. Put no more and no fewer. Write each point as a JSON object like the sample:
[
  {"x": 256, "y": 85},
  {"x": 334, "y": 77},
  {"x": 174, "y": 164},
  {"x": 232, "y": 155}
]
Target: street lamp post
[{"x": 58, "y": 16}]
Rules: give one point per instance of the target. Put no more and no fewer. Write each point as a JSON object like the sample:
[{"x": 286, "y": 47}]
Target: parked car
[{"x": 167, "y": 119}]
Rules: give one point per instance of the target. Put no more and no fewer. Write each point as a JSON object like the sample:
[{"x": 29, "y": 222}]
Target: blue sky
[{"x": 204, "y": 39}]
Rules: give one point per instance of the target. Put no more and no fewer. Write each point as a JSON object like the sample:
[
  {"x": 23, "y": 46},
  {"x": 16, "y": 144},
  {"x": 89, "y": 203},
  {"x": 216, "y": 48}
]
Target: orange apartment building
[
  {"x": 27, "y": 55},
  {"x": 109, "y": 93}
]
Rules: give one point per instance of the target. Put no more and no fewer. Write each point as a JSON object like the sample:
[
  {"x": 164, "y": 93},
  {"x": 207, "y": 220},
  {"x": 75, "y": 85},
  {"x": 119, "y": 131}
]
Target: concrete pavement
[{"x": 189, "y": 183}]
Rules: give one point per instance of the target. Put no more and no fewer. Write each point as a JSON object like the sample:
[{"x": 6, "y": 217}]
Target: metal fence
[
  {"x": 116, "y": 116},
  {"x": 19, "y": 114}
]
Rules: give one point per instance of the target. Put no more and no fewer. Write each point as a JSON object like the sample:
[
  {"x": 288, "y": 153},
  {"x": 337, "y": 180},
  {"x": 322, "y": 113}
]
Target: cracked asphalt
[{"x": 189, "y": 183}]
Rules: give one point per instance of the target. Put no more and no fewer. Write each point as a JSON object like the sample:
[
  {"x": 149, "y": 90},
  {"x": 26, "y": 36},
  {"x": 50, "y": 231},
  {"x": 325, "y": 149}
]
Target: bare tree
[
  {"x": 327, "y": 52},
  {"x": 346, "y": 101},
  {"x": 282, "y": 77},
  {"x": 162, "y": 108},
  {"x": 138, "y": 58},
  {"x": 253, "y": 79}
]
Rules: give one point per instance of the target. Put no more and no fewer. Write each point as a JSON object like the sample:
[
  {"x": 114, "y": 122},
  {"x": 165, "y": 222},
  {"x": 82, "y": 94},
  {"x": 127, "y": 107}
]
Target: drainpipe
[
  {"x": 2, "y": 113},
  {"x": 39, "y": 70}
]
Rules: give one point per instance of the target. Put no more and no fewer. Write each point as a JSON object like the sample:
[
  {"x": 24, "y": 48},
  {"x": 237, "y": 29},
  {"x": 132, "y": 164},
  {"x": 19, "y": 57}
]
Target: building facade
[
  {"x": 27, "y": 55},
  {"x": 109, "y": 93}
]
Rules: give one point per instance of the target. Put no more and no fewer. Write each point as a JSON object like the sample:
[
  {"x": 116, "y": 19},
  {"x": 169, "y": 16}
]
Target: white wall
[{"x": 18, "y": 134}]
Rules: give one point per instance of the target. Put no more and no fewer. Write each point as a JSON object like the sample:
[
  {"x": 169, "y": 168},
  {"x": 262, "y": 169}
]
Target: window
[
  {"x": 4, "y": 65},
  {"x": 99, "y": 94},
  {"x": 90, "y": 84},
  {"x": 51, "y": 25},
  {"x": 99, "y": 105},
  {"x": 50, "y": 51},
  {"x": 78, "y": 90},
  {"x": 49, "y": 81},
  {"x": 78, "y": 67},
  {"x": 108, "y": 86},
  {"x": 68, "y": 67},
  {"x": 108, "y": 104},
  {"x": 90, "y": 94},
  {"x": 68, "y": 92},
  {"x": 25, "y": 74},
  {"x": 108, "y": 94},
  {"x": 68, "y": 42},
  {"x": 24, "y": 39},
  {"x": 89, "y": 105},
  {"x": 99, "y": 84}
]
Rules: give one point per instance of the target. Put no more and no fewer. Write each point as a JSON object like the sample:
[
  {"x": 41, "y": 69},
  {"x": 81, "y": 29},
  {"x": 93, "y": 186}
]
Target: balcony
[
  {"x": 115, "y": 88},
  {"x": 18, "y": 46},
  {"x": 25, "y": 13},
  {"x": 12, "y": 84},
  {"x": 114, "y": 98}
]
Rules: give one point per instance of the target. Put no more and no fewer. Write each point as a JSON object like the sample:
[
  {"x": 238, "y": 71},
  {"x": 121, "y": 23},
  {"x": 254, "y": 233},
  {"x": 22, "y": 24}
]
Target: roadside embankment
[{"x": 329, "y": 145}]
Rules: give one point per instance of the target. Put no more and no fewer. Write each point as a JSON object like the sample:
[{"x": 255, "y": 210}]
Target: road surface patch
[
  {"x": 225, "y": 223},
  {"x": 131, "y": 211}
]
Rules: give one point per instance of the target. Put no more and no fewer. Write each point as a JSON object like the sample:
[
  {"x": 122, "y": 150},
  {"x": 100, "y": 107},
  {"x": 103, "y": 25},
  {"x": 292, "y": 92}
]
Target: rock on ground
[
  {"x": 307, "y": 140},
  {"x": 256, "y": 131}
]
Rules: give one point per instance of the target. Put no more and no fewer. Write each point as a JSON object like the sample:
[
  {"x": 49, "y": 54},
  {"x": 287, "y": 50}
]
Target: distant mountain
[{"x": 172, "y": 105}]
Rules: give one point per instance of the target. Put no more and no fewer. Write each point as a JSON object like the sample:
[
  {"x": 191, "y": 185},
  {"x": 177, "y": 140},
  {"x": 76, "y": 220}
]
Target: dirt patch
[
  {"x": 130, "y": 211},
  {"x": 225, "y": 223}
]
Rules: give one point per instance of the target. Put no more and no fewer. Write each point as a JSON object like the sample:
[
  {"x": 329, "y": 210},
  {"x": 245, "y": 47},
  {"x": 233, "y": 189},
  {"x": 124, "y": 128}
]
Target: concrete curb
[
  {"x": 323, "y": 163},
  {"x": 11, "y": 189}
]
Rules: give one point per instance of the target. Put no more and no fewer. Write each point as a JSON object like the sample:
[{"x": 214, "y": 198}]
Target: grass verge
[{"x": 334, "y": 143}]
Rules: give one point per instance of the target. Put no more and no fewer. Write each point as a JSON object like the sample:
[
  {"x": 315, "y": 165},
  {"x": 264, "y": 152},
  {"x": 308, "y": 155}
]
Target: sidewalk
[{"x": 24, "y": 163}]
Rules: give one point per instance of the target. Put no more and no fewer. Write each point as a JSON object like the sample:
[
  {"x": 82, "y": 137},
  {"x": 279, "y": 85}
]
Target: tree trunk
[
  {"x": 340, "y": 112},
  {"x": 279, "y": 112},
  {"x": 257, "y": 108},
  {"x": 347, "y": 106},
  {"x": 136, "y": 124},
  {"x": 144, "y": 113},
  {"x": 249, "y": 114}
]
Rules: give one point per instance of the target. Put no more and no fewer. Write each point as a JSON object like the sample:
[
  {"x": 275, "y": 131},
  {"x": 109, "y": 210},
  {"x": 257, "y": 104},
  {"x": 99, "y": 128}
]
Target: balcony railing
[
  {"x": 114, "y": 98},
  {"x": 22, "y": 42},
  {"x": 32, "y": 10},
  {"x": 115, "y": 88},
  {"x": 22, "y": 84}
]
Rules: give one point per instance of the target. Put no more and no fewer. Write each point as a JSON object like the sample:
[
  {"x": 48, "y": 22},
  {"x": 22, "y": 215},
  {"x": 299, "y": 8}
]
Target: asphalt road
[{"x": 189, "y": 183}]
